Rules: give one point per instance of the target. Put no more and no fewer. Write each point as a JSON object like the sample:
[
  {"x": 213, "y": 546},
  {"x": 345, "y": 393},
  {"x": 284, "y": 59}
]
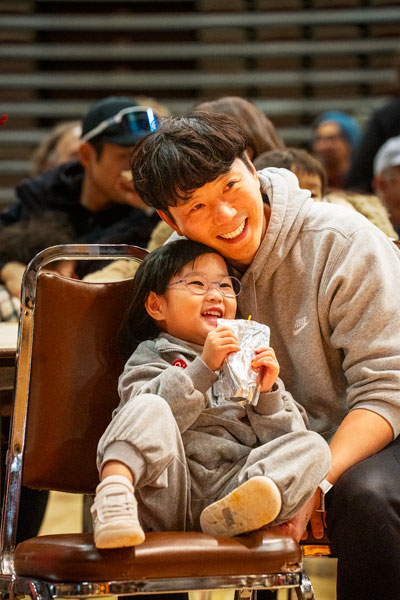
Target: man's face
[
  {"x": 109, "y": 173},
  {"x": 330, "y": 146},
  {"x": 226, "y": 214}
]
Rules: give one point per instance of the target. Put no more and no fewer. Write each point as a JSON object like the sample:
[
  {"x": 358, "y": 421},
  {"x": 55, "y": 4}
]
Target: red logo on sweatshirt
[
  {"x": 179, "y": 362},
  {"x": 3, "y": 119}
]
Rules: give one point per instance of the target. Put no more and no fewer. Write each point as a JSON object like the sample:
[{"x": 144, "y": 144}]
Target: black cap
[{"x": 104, "y": 109}]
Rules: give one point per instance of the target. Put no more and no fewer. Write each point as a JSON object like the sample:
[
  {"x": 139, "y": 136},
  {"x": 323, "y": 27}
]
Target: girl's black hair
[{"x": 154, "y": 274}]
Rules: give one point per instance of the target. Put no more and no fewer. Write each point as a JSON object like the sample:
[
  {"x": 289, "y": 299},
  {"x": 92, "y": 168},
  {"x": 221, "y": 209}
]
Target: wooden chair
[{"x": 66, "y": 388}]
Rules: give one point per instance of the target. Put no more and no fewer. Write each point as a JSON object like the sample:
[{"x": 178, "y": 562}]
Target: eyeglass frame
[
  {"x": 215, "y": 284},
  {"x": 117, "y": 118}
]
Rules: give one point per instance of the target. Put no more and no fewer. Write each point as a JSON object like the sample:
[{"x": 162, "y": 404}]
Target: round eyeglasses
[{"x": 199, "y": 283}]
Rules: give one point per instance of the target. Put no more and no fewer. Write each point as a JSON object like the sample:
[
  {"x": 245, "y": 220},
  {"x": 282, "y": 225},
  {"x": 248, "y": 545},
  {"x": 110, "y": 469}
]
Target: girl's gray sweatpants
[{"x": 172, "y": 491}]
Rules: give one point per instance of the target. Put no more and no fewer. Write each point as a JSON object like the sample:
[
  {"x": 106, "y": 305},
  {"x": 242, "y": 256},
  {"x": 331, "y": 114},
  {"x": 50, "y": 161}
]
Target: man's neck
[{"x": 92, "y": 199}]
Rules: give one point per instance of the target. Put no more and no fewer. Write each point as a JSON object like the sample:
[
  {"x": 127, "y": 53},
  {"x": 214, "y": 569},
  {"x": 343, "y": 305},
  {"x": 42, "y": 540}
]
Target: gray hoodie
[{"x": 325, "y": 280}]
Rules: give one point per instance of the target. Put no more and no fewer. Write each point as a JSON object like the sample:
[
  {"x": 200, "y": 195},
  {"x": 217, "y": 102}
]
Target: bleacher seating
[{"x": 294, "y": 58}]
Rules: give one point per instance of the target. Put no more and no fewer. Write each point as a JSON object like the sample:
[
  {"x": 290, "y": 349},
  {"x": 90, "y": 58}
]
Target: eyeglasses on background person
[
  {"x": 199, "y": 283},
  {"x": 135, "y": 119}
]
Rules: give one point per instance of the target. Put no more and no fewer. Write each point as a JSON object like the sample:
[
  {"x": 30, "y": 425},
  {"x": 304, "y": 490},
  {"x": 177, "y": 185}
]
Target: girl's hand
[
  {"x": 219, "y": 342},
  {"x": 267, "y": 366}
]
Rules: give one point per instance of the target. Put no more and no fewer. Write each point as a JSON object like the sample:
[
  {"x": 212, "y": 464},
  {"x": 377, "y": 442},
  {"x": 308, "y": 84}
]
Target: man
[
  {"x": 325, "y": 281},
  {"x": 95, "y": 194},
  {"x": 386, "y": 180}
]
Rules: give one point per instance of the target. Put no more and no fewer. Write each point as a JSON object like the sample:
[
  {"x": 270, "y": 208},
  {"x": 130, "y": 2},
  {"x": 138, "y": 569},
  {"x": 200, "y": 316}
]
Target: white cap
[{"x": 388, "y": 155}]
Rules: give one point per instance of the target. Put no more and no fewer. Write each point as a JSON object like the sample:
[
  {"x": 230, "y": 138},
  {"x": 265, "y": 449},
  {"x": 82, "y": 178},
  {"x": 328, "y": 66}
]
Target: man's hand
[
  {"x": 128, "y": 192},
  {"x": 266, "y": 364},
  {"x": 219, "y": 342},
  {"x": 297, "y": 526},
  {"x": 11, "y": 275}
]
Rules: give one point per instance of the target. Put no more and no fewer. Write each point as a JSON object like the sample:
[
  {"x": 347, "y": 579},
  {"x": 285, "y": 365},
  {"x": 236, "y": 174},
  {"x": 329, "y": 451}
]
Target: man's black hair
[{"x": 184, "y": 154}]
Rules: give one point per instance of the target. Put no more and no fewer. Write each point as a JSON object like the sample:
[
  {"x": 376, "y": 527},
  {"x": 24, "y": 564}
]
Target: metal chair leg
[{"x": 305, "y": 591}]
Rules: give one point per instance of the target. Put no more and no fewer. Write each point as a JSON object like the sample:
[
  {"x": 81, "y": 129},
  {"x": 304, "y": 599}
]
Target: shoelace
[{"x": 117, "y": 508}]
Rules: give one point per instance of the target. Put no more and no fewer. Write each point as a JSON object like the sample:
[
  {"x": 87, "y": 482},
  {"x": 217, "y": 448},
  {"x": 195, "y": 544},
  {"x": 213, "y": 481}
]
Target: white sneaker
[
  {"x": 253, "y": 504},
  {"x": 114, "y": 514}
]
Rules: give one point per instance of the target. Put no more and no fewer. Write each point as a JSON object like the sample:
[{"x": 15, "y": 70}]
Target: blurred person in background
[
  {"x": 59, "y": 146},
  {"x": 308, "y": 170},
  {"x": 311, "y": 176},
  {"x": 384, "y": 123},
  {"x": 335, "y": 136},
  {"x": 260, "y": 132},
  {"x": 386, "y": 181},
  {"x": 95, "y": 193}
]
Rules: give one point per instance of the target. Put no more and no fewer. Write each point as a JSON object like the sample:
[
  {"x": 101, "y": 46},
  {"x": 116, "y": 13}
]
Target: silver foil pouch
[{"x": 238, "y": 381}]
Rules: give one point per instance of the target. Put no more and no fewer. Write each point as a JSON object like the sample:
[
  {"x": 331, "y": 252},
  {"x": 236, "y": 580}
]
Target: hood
[{"x": 289, "y": 207}]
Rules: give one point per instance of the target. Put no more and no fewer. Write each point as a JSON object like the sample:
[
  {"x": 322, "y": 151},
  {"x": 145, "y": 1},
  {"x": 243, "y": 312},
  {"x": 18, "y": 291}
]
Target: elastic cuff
[
  {"x": 127, "y": 454},
  {"x": 201, "y": 375}
]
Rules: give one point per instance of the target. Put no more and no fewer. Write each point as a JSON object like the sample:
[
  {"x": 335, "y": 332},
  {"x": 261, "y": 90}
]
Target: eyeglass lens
[{"x": 200, "y": 284}]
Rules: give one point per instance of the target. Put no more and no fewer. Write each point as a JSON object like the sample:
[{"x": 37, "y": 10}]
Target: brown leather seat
[
  {"x": 74, "y": 557},
  {"x": 67, "y": 374}
]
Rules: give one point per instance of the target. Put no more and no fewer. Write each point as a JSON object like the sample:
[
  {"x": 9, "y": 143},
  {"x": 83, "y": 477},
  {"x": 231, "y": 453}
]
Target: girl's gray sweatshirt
[
  {"x": 326, "y": 282},
  {"x": 213, "y": 429}
]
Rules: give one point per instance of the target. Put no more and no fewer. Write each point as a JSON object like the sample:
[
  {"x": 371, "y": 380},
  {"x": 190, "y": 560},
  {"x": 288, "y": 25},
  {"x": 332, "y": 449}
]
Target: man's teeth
[{"x": 233, "y": 234}]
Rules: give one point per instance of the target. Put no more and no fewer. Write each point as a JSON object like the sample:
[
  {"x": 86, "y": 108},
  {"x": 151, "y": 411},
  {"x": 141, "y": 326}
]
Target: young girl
[{"x": 176, "y": 456}]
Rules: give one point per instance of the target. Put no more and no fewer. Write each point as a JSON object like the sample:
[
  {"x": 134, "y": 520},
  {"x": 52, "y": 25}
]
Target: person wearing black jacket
[{"x": 95, "y": 194}]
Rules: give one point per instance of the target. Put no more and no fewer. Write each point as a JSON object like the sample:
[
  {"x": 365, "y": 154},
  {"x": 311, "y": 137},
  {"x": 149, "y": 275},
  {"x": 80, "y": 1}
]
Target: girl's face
[{"x": 189, "y": 316}]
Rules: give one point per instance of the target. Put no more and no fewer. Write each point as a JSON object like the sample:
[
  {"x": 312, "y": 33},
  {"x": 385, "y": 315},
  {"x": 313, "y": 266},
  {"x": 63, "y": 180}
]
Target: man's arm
[{"x": 361, "y": 434}]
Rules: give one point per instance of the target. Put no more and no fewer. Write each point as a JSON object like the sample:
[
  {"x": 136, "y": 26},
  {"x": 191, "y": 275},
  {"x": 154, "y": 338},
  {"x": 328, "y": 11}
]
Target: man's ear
[
  {"x": 169, "y": 221},
  {"x": 86, "y": 154},
  {"x": 250, "y": 165},
  {"x": 155, "y": 306}
]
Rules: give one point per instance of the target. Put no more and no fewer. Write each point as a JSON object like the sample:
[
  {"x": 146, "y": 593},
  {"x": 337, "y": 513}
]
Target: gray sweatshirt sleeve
[
  {"x": 146, "y": 372},
  {"x": 276, "y": 414},
  {"x": 361, "y": 298}
]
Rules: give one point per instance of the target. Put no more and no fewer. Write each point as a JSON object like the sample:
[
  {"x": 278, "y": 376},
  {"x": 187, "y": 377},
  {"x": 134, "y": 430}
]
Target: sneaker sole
[
  {"x": 118, "y": 536},
  {"x": 252, "y": 505}
]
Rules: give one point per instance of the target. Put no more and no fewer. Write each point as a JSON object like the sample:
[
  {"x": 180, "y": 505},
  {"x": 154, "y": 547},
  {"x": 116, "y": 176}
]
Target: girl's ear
[{"x": 155, "y": 306}]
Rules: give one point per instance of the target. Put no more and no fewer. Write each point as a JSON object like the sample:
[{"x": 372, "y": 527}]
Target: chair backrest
[
  {"x": 75, "y": 366},
  {"x": 68, "y": 363}
]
